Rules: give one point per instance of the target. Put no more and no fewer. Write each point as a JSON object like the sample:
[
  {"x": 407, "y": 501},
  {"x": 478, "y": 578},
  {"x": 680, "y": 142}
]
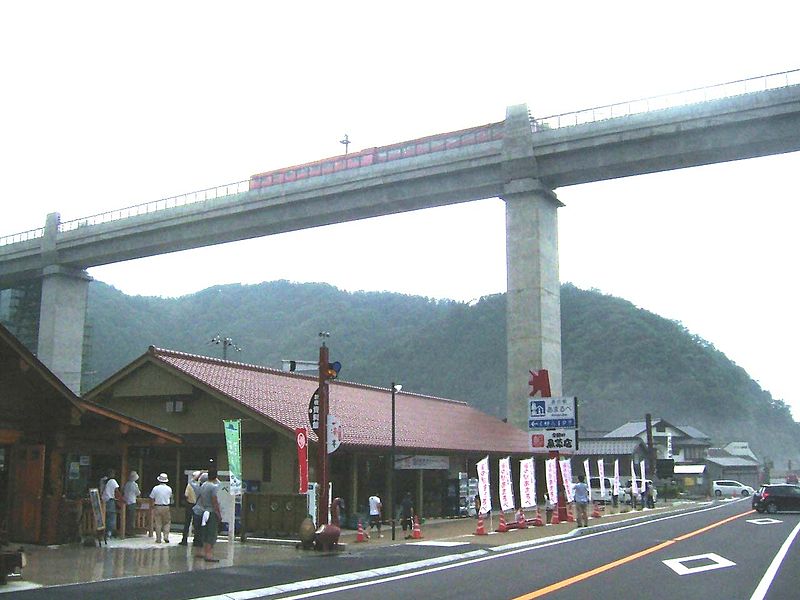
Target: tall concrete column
[
  {"x": 61, "y": 321},
  {"x": 533, "y": 298}
]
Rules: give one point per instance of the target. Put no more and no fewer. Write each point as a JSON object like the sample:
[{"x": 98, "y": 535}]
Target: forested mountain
[{"x": 621, "y": 361}]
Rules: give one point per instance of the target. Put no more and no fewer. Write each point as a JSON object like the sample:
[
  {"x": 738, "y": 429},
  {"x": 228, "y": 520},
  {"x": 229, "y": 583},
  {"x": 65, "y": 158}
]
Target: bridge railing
[
  {"x": 653, "y": 103},
  {"x": 23, "y": 236},
  {"x": 156, "y": 205}
]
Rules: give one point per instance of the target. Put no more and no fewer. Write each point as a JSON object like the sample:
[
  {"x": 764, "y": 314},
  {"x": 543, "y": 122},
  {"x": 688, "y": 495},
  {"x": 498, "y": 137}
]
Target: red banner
[{"x": 301, "y": 436}]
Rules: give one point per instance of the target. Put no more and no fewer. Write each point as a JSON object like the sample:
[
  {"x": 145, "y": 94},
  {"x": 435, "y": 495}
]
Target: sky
[{"x": 106, "y": 105}]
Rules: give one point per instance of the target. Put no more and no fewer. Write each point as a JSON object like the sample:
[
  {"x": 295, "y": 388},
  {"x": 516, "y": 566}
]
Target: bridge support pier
[
  {"x": 533, "y": 298},
  {"x": 61, "y": 320}
]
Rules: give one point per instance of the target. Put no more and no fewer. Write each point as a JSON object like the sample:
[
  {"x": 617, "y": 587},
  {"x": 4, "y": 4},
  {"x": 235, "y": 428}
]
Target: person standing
[
  {"x": 130, "y": 492},
  {"x": 581, "y": 493},
  {"x": 162, "y": 498},
  {"x": 208, "y": 507},
  {"x": 190, "y": 495},
  {"x": 110, "y": 495},
  {"x": 407, "y": 514},
  {"x": 375, "y": 513}
]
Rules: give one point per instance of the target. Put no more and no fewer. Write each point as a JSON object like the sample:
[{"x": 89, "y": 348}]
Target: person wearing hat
[
  {"x": 190, "y": 495},
  {"x": 162, "y": 498},
  {"x": 130, "y": 492}
]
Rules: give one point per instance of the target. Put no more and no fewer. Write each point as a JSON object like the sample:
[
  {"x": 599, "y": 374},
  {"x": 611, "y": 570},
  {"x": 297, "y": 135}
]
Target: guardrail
[
  {"x": 146, "y": 208},
  {"x": 23, "y": 236},
  {"x": 653, "y": 103}
]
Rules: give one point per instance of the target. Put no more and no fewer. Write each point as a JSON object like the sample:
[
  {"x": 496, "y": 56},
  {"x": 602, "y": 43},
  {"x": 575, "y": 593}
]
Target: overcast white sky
[{"x": 107, "y": 104}]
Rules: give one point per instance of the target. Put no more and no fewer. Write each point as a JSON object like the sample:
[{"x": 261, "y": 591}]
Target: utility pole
[{"x": 322, "y": 432}]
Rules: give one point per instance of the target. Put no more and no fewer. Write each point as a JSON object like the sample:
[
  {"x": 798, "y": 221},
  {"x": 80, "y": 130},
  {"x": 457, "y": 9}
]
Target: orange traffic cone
[
  {"x": 502, "y": 527},
  {"x": 596, "y": 512},
  {"x": 416, "y": 533},
  {"x": 554, "y": 519},
  {"x": 360, "y": 536},
  {"x": 570, "y": 517},
  {"x": 480, "y": 530},
  {"x": 522, "y": 522},
  {"x": 537, "y": 520}
]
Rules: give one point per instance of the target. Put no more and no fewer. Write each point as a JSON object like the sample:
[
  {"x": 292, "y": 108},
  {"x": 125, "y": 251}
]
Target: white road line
[{"x": 766, "y": 580}]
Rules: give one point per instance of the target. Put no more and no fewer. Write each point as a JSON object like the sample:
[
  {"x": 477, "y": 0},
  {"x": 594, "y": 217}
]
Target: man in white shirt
[
  {"x": 110, "y": 494},
  {"x": 375, "y": 513},
  {"x": 162, "y": 498},
  {"x": 130, "y": 492}
]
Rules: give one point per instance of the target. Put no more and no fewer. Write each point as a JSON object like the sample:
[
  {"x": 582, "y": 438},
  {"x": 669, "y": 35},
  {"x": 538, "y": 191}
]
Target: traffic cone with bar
[
  {"x": 537, "y": 520},
  {"x": 596, "y": 512},
  {"x": 502, "y": 527},
  {"x": 570, "y": 517},
  {"x": 416, "y": 533},
  {"x": 522, "y": 522},
  {"x": 360, "y": 537},
  {"x": 480, "y": 530}
]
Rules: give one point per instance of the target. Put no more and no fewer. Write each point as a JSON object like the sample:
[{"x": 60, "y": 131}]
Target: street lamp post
[{"x": 395, "y": 388}]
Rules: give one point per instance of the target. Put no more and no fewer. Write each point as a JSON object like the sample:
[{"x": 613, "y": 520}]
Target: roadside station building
[
  {"x": 54, "y": 446},
  {"x": 190, "y": 395}
]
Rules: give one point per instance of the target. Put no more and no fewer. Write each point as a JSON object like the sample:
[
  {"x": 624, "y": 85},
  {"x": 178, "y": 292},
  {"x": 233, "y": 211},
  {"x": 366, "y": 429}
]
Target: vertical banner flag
[
  {"x": 233, "y": 442},
  {"x": 527, "y": 483},
  {"x": 641, "y": 470},
  {"x": 634, "y": 485},
  {"x": 506, "y": 485},
  {"x": 601, "y": 471},
  {"x": 566, "y": 476},
  {"x": 301, "y": 436},
  {"x": 483, "y": 485},
  {"x": 588, "y": 475},
  {"x": 551, "y": 477},
  {"x": 615, "y": 491},
  {"x": 669, "y": 446}
]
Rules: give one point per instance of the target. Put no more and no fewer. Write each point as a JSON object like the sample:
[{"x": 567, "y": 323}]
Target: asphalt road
[{"x": 723, "y": 551}]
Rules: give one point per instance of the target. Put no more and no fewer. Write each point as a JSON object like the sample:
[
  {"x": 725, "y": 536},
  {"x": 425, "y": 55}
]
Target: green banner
[{"x": 233, "y": 441}]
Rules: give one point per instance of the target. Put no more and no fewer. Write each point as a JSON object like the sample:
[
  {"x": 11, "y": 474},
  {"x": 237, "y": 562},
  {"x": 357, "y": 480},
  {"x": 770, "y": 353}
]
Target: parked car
[
  {"x": 594, "y": 483},
  {"x": 775, "y": 497},
  {"x": 728, "y": 487}
]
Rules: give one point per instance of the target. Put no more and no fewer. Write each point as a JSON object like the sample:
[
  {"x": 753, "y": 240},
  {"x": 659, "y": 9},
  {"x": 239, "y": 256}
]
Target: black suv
[{"x": 775, "y": 497}]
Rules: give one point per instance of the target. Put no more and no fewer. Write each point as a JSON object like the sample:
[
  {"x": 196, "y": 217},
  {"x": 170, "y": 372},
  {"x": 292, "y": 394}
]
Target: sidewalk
[{"x": 141, "y": 556}]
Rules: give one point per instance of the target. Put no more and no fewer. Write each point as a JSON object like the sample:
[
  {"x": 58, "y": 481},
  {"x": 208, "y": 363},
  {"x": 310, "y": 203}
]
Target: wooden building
[
  {"x": 55, "y": 445},
  {"x": 190, "y": 395}
]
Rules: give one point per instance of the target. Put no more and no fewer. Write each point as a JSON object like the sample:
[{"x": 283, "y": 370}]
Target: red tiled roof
[{"x": 421, "y": 422}]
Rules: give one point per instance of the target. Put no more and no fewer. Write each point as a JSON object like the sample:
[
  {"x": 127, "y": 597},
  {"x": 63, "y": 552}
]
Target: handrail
[
  {"x": 653, "y": 103},
  {"x": 220, "y": 191},
  {"x": 23, "y": 236}
]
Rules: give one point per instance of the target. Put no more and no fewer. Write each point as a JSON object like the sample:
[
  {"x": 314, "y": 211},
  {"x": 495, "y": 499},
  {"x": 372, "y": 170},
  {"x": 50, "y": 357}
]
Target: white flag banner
[
  {"x": 527, "y": 483},
  {"x": 588, "y": 474},
  {"x": 506, "y": 485},
  {"x": 634, "y": 485},
  {"x": 641, "y": 470},
  {"x": 551, "y": 474},
  {"x": 483, "y": 485},
  {"x": 601, "y": 471},
  {"x": 615, "y": 491},
  {"x": 566, "y": 476}
]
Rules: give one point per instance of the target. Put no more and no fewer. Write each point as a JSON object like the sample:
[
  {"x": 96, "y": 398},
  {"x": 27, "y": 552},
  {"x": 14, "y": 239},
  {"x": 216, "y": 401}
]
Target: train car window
[
  {"x": 452, "y": 142},
  {"x": 302, "y": 172},
  {"x": 353, "y": 162},
  {"x": 367, "y": 159},
  {"x": 327, "y": 167},
  {"x": 437, "y": 145},
  {"x": 382, "y": 156},
  {"x": 314, "y": 170},
  {"x": 340, "y": 164},
  {"x": 409, "y": 151},
  {"x": 394, "y": 153},
  {"x": 423, "y": 148},
  {"x": 290, "y": 175},
  {"x": 277, "y": 178}
]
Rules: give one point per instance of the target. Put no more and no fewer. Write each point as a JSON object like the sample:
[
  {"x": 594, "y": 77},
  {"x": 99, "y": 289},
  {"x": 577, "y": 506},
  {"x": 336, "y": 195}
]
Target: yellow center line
[{"x": 612, "y": 565}]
